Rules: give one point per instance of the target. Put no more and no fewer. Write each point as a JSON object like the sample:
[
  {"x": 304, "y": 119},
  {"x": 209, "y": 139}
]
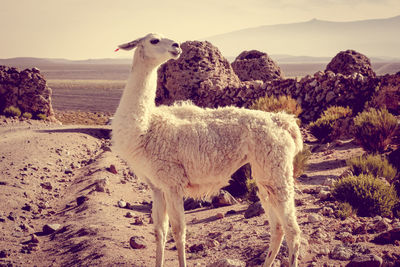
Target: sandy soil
[{"x": 61, "y": 176}]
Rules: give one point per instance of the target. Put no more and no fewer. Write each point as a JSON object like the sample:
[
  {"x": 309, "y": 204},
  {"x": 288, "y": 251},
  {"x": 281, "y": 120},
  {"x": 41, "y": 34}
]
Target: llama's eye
[{"x": 155, "y": 41}]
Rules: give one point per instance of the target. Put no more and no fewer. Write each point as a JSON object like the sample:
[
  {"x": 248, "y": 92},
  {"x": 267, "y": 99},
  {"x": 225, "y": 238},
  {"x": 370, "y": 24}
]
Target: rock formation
[
  {"x": 26, "y": 90},
  {"x": 203, "y": 76},
  {"x": 255, "y": 65},
  {"x": 349, "y": 62}
]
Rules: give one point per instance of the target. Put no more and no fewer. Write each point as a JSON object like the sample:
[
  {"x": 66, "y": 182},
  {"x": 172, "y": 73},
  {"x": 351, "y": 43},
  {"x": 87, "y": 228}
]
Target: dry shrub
[
  {"x": 300, "y": 161},
  {"x": 373, "y": 129},
  {"x": 332, "y": 123},
  {"x": 275, "y": 104},
  {"x": 372, "y": 164},
  {"x": 367, "y": 194},
  {"x": 12, "y": 111}
]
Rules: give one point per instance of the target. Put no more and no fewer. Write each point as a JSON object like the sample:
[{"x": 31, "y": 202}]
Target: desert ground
[{"x": 69, "y": 201}]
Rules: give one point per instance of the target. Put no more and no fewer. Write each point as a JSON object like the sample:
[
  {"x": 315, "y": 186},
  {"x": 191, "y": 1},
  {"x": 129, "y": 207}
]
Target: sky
[{"x": 85, "y": 29}]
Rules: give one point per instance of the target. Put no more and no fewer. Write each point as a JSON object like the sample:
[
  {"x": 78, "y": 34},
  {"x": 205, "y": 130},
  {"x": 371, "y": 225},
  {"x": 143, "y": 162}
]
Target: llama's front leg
[
  {"x": 160, "y": 219},
  {"x": 176, "y": 214}
]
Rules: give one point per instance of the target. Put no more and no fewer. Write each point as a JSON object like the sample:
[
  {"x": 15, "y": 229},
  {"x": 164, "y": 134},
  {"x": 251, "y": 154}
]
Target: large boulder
[
  {"x": 256, "y": 65},
  {"x": 201, "y": 74},
  {"x": 349, "y": 62},
  {"x": 26, "y": 90}
]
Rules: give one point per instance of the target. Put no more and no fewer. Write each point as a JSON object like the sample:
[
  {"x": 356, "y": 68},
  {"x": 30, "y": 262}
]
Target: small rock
[
  {"x": 211, "y": 243},
  {"x": 219, "y": 215},
  {"x": 196, "y": 248},
  {"x": 113, "y": 169},
  {"x": 389, "y": 237},
  {"x": 253, "y": 210},
  {"x": 137, "y": 242},
  {"x": 68, "y": 171},
  {"x": 345, "y": 237},
  {"x": 365, "y": 261},
  {"x": 46, "y": 185},
  {"x": 191, "y": 204},
  {"x": 228, "y": 263},
  {"x": 314, "y": 218},
  {"x": 50, "y": 228},
  {"x": 122, "y": 204},
  {"x": 34, "y": 239},
  {"x": 342, "y": 253},
  {"x": 324, "y": 195},
  {"x": 138, "y": 221},
  {"x": 129, "y": 214},
  {"x": 381, "y": 226},
  {"x": 4, "y": 254},
  {"x": 27, "y": 207},
  {"x": 223, "y": 199},
  {"x": 231, "y": 212},
  {"x": 82, "y": 199},
  {"x": 327, "y": 211}
]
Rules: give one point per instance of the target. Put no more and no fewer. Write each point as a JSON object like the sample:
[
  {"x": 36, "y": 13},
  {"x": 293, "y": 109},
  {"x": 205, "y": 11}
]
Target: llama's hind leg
[
  {"x": 160, "y": 220},
  {"x": 176, "y": 214},
  {"x": 276, "y": 230}
]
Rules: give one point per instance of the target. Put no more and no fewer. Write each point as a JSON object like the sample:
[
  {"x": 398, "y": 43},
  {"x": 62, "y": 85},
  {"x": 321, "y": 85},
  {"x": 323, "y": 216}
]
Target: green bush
[
  {"x": 275, "y": 104},
  {"x": 41, "y": 116},
  {"x": 373, "y": 129},
  {"x": 376, "y": 165},
  {"x": 12, "y": 111},
  {"x": 300, "y": 161},
  {"x": 326, "y": 127},
  {"x": 27, "y": 115},
  {"x": 367, "y": 194},
  {"x": 344, "y": 210}
]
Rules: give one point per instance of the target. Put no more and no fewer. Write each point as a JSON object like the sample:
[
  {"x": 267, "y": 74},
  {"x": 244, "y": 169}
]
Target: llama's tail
[
  {"x": 294, "y": 131},
  {"x": 289, "y": 123}
]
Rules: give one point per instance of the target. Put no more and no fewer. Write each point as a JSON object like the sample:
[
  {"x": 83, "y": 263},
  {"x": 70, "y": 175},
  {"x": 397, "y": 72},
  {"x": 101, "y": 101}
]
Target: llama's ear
[{"x": 130, "y": 45}]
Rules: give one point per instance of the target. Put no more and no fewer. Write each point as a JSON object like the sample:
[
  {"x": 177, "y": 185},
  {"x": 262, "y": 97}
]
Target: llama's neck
[{"x": 138, "y": 98}]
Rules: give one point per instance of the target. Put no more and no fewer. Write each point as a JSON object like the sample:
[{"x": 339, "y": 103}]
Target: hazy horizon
[{"x": 89, "y": 29}]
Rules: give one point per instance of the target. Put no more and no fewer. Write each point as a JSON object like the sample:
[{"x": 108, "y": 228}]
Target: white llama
[{"x": 184, "y": 150}]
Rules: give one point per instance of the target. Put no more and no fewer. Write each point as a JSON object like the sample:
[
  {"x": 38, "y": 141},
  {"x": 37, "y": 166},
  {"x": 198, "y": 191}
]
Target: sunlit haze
[{"x": 83, "y": 29}]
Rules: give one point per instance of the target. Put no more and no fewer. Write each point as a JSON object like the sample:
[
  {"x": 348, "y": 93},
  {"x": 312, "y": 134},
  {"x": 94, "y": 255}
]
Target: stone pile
[
  {"x": 255, "y": 65},
  {"x": 349, "y": 62},
  {"x": 26, "y": 90}
]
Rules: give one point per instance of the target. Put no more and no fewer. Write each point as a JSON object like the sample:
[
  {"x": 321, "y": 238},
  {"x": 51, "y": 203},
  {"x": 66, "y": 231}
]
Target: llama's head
[{"x": 154, "y": 48}]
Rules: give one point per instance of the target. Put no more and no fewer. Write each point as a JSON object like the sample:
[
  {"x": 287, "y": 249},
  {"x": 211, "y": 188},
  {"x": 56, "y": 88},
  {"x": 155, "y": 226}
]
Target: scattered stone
[
  {"x": 327, "y": 211},
  {"x": 314, "y": 218},
  {"x": 11, "y": 216},
  {"x": 381, "y": 226},
  {"x": 34, "y": 238},
  {"x": 227, "y": 263},
  {"x": 255, "y": 209},
  {"x": 212, "y": 243},
  {"x": 388, "y": 237},
  {"x": 324, "y": 195},
  {"x": 4, "y": 254},
  {"x": 129, "y": 214},
  {"x": 345, "y": 237},
  {"x": 27, "y": 207},
  {"x": 46, "y": 185},
  {"x": 365, "y": 261},
  {"x": 113, "y": 169},
  {"x": 137, "y": 242},
  {"x": 196, "y": 248},
  {"x": 138, "y": 221},
  {"x": 121, "y": 204},
  {"x": 82, "y": 199},
  {"x": 51, "y": 228},
  {"x": 223, "y": 199},
  {"x": 219, "y": 215},
  {"x": 68, "y": 171},
  {"x": 342, "y": 253}
]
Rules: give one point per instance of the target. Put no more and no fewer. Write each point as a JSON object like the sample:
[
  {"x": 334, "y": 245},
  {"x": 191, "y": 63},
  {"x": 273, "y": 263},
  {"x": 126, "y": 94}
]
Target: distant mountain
[
  {"x": 32, "y": 61},
  {"x": 316, "y": 38}
]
